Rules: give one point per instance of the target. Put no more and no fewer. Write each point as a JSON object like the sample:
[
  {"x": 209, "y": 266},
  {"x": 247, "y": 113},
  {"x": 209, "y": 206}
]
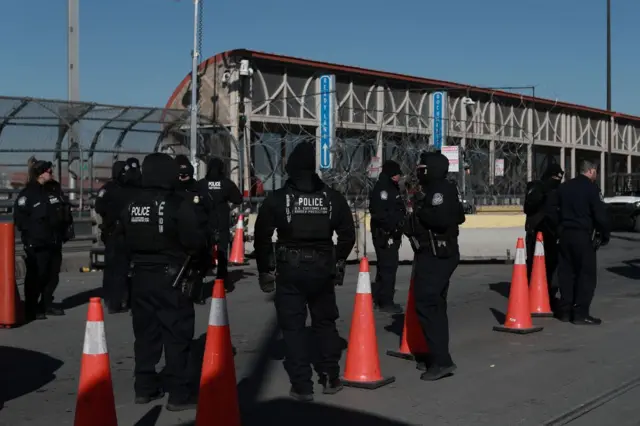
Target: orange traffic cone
[
  {"x": 538, "y": 287},
  {"x": 362, "y": 369},
  {"x": 9, "y": 296},
  {"x": 218, "y": 399},
  {"x": 518, "y": 318},
  {"x": 237, "y": 248},
  {"x": 413, "y": 342},
  {"x": 95, "y": 405}
]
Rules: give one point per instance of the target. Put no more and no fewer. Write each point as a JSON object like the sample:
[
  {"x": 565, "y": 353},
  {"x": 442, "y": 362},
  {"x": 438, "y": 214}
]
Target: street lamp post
[
  {"x": 193, "y": 127},
  {"x": 609, "y": 145}
]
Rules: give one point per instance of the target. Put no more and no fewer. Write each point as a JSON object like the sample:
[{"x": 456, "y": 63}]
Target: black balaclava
[
  {"x": 132, "y": 173},
  {"x": 185, "y": 168},
  {"x": 302, "y": 161},
  {"x": 117, "y": 170},
  {"x": 159, "y": 171},
  {"x": 436, "y": 167},
  {"x": 390, "y": 169},
  {"x": 553, "y": 170},
  {"x": 215, "y": 169}
]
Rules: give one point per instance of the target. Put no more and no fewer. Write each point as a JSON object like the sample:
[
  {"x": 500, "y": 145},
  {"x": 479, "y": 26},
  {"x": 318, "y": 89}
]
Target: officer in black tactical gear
[
  {"x": 583, "y": 220},
  {"x": 42, "y": 215},
  {"x": 161, "y": 231},
  {"x": 222, "y": 192},
  {"x": 132, "y": 173},
  {"x": 433, "y": 232},
  {"x": 388, "y": 213},
  {"x": 305, "y": 212},
  {"x": 540, "y": 194},
  {"x": 188, "y": 188},
  {"x": 110, "y": 201}
]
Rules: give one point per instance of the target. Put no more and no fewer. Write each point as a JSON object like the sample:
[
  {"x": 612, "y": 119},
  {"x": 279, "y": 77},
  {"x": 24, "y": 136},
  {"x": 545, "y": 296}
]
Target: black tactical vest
[
  {"x": 147, "y": 229},
  {"x": 308, "y": 216}
]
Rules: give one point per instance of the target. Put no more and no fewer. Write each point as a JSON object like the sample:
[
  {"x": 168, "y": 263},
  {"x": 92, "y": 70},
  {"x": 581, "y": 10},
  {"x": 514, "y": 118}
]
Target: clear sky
[{"x": 137, "y": 51}]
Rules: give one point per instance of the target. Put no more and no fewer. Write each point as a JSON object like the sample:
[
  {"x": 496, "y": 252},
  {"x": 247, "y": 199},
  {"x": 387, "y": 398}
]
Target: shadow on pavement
[
  {"x": 630, "y": 269},
  {"x": 80, "y": 298},
  {"x": 233, "y": 277},
  {"x": 502, "y": 288},
  {"x": 151, "y": 418},
  {"x": 397, "y": 325},
  {"x": 23, "y": 371},
  {"x": 287, "y": 412},
  {"x": 500, "y": 317}
]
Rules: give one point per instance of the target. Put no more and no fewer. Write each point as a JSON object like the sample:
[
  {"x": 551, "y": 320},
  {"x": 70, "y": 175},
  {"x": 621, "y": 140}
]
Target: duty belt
[{"x": 299, "y": 255}]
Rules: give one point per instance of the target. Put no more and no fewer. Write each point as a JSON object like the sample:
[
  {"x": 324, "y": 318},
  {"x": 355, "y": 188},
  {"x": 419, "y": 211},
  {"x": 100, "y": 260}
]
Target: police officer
[
  {"x": 161, "y": 230},
  {"x": 305, "y": 212},
  {"x": 110, "y": 201},
  {"x": 540, "y": 195},
  {"x": 433, "y": 232},
  {"x": 42, "y": 215},
  {"x": 582, "y": 216},
  {"x": 132, "y": 173},
  {"x": 388, "y": 213},
  {"x": 188, "y": 188},
  {"x": 131, "y": 182},
  {"x": 222, "y": 191}
]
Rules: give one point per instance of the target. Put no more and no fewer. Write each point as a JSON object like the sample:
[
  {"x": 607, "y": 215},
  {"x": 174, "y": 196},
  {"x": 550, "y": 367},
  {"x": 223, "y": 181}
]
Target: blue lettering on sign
[
  {"x": 438, "y": 119},
  {"x": 326, "y": 121}
]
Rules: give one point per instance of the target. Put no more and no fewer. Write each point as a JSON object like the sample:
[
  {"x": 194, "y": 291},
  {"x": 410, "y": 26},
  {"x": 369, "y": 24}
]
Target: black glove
[
  {"x": 605, "y": 240},
  {"x": 267, "y": 282},
  {"x": 339, "y": 277}
]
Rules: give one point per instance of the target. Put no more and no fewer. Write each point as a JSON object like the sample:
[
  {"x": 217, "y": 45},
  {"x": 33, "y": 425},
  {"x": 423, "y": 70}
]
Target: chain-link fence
[{"x": 487, "y": 172}]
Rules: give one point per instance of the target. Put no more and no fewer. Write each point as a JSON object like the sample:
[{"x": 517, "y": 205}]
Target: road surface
[{"x": 502, "y": 379}]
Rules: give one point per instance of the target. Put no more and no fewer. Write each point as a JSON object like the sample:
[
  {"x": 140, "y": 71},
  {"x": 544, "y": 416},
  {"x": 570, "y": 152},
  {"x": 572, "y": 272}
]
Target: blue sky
[{"x": 137, "y": 51}]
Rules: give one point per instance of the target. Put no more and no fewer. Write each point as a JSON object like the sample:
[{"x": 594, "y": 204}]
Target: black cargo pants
[
  {"x": 431, "y": 287},
  {"x": 115, "y": 280},
  {"x": 302, "y": 284},
  {"x": 387, "y": 259},
  {"x": 41, "y": 278},
  {"x": 163, "y": 317},
  {"x": 577, "y": 273}
]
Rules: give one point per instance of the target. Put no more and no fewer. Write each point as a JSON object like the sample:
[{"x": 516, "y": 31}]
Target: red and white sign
[{"x": 453, "y": 155}]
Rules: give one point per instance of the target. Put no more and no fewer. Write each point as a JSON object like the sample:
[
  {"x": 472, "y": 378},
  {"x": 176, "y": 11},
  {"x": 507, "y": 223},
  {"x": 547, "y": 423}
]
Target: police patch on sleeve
[
  {"x": 384, "y": 195},
  {"x": 437, "y": 199},
  {"x": 22, "y": 201},
  {"x": 196, "y": 199},
  {"x": 101, "y": 193}
]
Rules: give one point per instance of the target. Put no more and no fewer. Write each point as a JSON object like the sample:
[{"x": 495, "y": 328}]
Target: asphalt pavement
[{"x": 566, "y": 374}]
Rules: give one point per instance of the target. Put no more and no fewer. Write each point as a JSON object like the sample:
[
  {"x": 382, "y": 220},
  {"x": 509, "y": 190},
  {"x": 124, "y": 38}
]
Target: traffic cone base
[
  {"x": 362, "y": 368},
  {"x": 518, "y": 316}
]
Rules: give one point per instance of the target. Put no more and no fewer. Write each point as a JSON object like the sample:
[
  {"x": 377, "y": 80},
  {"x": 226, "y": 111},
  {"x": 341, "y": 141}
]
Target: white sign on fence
[
  {"x": 374, "y": 168},
  {"x": 453, "y": 155},
  {"x": 499, "y": 167}
]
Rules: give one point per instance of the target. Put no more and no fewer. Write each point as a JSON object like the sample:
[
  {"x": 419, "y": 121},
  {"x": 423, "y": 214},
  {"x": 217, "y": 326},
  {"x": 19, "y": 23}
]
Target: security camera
[
  {"x": 226, "y": 76},
  {"x": 466, "y": 101},
  {"x": 245, "y": 69}
]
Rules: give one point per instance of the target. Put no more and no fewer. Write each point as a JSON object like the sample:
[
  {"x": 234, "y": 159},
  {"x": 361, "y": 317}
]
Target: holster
[{"x": 442, "y": 246}]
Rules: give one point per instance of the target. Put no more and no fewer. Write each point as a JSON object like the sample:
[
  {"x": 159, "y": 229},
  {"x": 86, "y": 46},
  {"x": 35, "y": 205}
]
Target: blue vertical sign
[
  {"x": 439, "y": 117},
  {"x": 326, "y": 121}
]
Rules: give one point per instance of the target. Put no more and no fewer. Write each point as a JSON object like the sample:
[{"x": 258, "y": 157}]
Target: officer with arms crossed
[
  {"x": 161, "y": 231},
  {"x": 305, "y": 212},
  {"x": 188, "y": 188},
  {"x": 42, "y": 217},
  {"x": 433, "y": 232},
  {"x": 222, "y": 191},
  {"x": 583, "y": 220},
  {"x": 109, "y": 204},
  {"x": 541, "y": 194},
  {"x": 388, "y": 213}
]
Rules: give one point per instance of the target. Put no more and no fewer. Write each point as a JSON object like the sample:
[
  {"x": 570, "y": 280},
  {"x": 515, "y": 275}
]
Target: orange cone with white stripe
[
  {"x": 518, "y": 318},
  {"x": 95, "y": 405},
  {"x": 538, "y": 287},
  {"x": 218, "y": 398},
  {"x": 237, "y": 248},
  {"x": 362, "y": 369}
]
